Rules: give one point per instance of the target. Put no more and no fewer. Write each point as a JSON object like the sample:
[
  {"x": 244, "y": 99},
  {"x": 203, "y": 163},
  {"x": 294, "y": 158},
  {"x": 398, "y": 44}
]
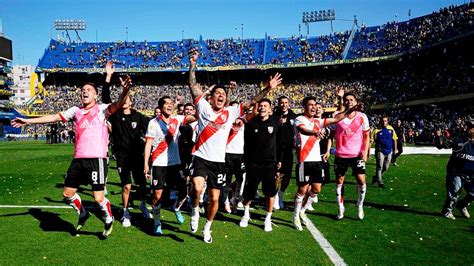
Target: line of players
[{"x": 228, "y": 139}]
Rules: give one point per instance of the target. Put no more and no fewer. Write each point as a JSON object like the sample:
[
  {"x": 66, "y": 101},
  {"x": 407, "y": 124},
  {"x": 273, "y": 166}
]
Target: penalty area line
[{"x": 335, "y": 258}]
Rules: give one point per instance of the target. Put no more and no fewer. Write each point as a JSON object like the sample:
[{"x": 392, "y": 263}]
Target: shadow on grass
[
  {"x": 168, "y": 228},
  {"x": 52, "y": 222}
]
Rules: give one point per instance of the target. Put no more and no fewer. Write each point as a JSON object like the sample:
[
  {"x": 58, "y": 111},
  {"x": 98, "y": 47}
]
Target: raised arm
[
  {"x": 272, "y": 84},
  {"x": 126, "y": 84},
  {"x": 109, "y": 70},
  {"x": 232, "y": 86},
  {"x": 193, "y": 85},
  {"x": 340, "y": 100},
  {"x": 19, "y": 122}
]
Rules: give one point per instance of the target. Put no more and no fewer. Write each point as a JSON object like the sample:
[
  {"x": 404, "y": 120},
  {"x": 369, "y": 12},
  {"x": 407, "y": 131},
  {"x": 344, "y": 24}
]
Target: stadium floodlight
[
  {"x": 318, "y": 16},
  {"x": 70, "y": 24}
]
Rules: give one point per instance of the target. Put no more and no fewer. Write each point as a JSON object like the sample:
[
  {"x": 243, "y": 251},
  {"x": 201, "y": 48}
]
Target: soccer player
[
  {"x": 460, "y": 171},
  {"x": 385, "y": 140},
  {"x": 214, "y": 124},
  {"x": 262, "y": 160},
  {"x": 234, "y": 163},
  {"x": 352, "y": 148},
  {"x": 128, "y": 128},
  {"x": 287, "y": 141},
  {"x": 89, "y": 165},
  {"x": 162, "y": 146},
  {"x": 309, "y": 168}
]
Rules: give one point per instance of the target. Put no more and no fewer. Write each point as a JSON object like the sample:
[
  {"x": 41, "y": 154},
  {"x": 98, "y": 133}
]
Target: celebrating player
[
  {"x": 89, "y": 165},
  {"x": 309, "y": 169},
  {"x": 214, "y": 124},
  {"x": 162, "y": 145}
]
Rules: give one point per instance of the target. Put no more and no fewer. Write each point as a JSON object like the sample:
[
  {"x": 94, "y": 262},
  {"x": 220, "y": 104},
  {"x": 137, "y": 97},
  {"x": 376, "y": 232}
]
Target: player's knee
[{"x": 126, "y": 188}]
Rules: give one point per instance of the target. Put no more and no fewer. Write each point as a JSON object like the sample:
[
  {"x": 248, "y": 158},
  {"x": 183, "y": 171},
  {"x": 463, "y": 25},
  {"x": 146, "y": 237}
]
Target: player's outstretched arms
[
  {"x": 344, "y": 113},
  {"x": 109, "y": 70},
  {"x": 19, "y": 122},
  {"x": 126, "y": 84},
  {"x": 194, "y": 87},
  {"x": 272, "y": 84}
]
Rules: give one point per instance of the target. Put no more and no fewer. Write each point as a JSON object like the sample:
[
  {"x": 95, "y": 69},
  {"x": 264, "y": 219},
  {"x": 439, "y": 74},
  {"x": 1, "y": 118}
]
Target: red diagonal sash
[
  {"x": 308, "y": 146},
  {"x": 163, "y": 145},
  {"x": 211, "y": 129}
]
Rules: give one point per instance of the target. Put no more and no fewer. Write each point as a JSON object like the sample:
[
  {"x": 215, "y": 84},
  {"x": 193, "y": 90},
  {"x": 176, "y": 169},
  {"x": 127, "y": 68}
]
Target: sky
[{"x": 29, "y": 23}]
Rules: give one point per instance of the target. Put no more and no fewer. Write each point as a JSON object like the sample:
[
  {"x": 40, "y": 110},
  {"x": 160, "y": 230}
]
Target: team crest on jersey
[
  {"x": 134, "y": 124},
  {"x": 155, "y": 182},
  {"x": 173, "y": 126},
  {"x": 270, "y": 130},
  {"x": 224, "y": 117}
]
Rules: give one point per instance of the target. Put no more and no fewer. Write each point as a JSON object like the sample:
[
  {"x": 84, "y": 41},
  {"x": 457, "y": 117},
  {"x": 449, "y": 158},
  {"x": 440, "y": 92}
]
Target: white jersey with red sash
[
  {"x": 235, "y": 142},
  {"x": 213, "y": 130},
  {"x": 308, "y": 145},
  {"x": 165, "y": 150},
  {"x": 92, "y": 134}
]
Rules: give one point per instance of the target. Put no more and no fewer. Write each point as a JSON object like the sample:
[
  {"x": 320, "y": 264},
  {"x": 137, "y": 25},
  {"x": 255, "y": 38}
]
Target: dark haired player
[
  {"x": 262, "y": 160},
  {"x": 89, "y": 165},
  {"x": 162, "y": 146},
  {"x": 309, "y": 169},
  {"x": 214, "y": 124}
]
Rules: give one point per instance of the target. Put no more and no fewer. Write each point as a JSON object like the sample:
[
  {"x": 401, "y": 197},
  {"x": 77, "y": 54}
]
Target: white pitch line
[
  {"x": 36, "y": 206},
  {"x": 324, "y": 243}
]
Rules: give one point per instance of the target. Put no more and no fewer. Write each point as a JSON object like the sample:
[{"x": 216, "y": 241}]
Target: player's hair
[
  {"x": 307, "y": 99},
  {"x": 349, "y": 94},
  {"x": 93, "y": 86},
  {"x": 179, "y": 106},
  {"x": 265, "y": 100},
  {"x": 233, "y": 102},
  {"x": 162, "y": 101},
  {"x": 188, "y": 104},
  {"x": 283, "y": 97},
  {"x": 219, "y": 86}
]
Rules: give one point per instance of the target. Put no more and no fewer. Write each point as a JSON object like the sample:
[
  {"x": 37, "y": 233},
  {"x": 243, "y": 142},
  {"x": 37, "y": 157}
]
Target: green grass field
[{"x": 402, "y": 224}]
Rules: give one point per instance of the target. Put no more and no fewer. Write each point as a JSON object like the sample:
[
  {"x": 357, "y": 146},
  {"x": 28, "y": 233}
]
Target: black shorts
[
  {"x": 310, "y": 173},
  {"x": 213, "y": 172},
  {"x": 85, "y": 171},
  {"x": 342, "y": 164},
  {"x": 235, "y": 165},
  {"x": 171, "y": 176},
  {"x": 265, "y": 173},
  {"x": 126, "y": 166}
]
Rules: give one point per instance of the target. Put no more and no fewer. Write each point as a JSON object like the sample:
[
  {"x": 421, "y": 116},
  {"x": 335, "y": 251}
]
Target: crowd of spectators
[{"x": 397, "y": 37}]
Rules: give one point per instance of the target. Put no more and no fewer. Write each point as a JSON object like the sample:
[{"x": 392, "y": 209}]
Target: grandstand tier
[{"x": 368, "y": 44}]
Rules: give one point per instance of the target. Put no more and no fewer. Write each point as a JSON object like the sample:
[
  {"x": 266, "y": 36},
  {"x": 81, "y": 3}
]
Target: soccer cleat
[
  {"x": 179, "y": 217},
  {"x": 207, "y": 236},
  {"x": 157, "y": 229},
  {"x": 395, "y": 164},
  {"x": 449, "y": 215},
  {"x": 360, "y": 212},
  {"x": 108, "y": 228},
  {"x": 146, "y": 213},
  {"x": 297, "y": 223},
  {"x": 126, "y": 219},
  {"x": 82, "y": 220},
  {"x": 194, "y": 224},
  {"x": 303, "y": 218},
  {"x": 340, "y": 213},
  {"x": 276, "y": 203},
  {"x": 227, "y": 207},
  {"x": 245, "y": 221},
  {"x": 465, "y": 213},
  {"x": 310, "y": 207},
  {"x": 268, "y": 226}
]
